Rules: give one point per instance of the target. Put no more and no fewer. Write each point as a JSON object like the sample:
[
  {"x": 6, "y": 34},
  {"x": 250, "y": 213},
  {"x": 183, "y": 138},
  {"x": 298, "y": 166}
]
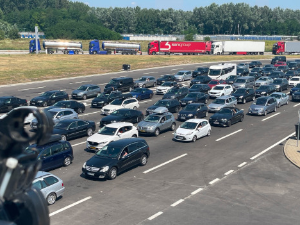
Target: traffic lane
[{"x": 263, "y": 192}]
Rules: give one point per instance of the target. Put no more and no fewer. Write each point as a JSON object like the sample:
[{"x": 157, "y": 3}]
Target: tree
[
  {"x": 2, "y": 35},
  {"x": 13, "y": 33},
  {"x": 207, "y": 38},
  {"x": 189, "y": 37}
]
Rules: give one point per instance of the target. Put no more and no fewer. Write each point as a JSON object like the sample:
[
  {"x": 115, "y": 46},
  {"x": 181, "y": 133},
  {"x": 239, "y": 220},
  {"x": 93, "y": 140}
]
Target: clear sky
[{"x": 188, "y": 4}]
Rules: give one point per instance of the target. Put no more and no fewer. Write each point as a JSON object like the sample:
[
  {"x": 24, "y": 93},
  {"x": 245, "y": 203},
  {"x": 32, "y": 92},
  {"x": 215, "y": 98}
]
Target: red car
[
  {"x": 280, "y": 63},
  {"x": 213, "y": 83}
]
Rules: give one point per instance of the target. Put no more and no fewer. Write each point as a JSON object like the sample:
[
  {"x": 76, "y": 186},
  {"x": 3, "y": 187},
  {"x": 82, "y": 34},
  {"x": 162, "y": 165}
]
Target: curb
[{"x": 291, "y": 151}]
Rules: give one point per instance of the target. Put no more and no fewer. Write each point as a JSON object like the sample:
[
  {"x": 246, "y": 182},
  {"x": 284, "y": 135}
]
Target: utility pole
[{"x": 36, "y": 40}]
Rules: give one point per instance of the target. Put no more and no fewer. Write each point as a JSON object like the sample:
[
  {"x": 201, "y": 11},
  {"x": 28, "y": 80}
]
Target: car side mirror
[{"x": 58, "y": 117}]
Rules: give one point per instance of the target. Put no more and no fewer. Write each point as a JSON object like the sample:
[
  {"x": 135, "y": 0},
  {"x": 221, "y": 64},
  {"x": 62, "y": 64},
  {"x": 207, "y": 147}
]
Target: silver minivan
[{"x": 244, "y": 82}]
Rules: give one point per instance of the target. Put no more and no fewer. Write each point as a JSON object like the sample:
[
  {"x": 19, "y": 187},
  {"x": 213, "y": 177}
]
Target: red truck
[
  {"x": 281, "y": 47},
  {"x": 184, "y": 47}
]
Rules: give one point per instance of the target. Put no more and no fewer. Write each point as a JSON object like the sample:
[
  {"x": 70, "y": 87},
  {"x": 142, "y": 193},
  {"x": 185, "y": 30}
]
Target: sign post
[{"x": 36, "y": 40}]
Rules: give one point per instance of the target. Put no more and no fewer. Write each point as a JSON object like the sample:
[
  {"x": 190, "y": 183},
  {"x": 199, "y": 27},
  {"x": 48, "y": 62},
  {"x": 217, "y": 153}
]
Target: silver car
[
  {"x": 145, "y": 81},
  {"x": 263, "y": 81},
  {"x": 160, "y": 120},
  {"x": 263, "y": 105},
  {"x": 281, "y": 98},
  {"x": 50, "y": 185},
  {"x": 221, "y": 102},
  {"x": 86, "y": 91},
  {"x": 183, "y": 75}
]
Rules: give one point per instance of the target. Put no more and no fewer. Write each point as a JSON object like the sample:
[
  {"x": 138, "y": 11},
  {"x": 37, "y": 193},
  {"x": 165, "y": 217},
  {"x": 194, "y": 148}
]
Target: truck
[
  {"x": 114, "y": 47},
  {"x": 281, "y": 47},
  {"x": 67, "y": 47},
  {"x": 238, "y": 47},
  {"x": 32, "y": 46},
  {"x": 184, "y": 47}
]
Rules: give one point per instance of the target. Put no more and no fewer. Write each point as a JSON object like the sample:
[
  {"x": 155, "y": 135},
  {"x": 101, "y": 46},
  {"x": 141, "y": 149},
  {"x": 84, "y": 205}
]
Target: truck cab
[
  {"x": 153, "y": 47},
  {"x": 32, "y": 46},
  {"x": 217, "y": 48},
  {"x": 94, "y": 48},
  {"x": 278, "y": 48}
]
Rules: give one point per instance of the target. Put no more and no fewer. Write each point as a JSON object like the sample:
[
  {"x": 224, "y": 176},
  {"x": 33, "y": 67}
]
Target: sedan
[
  {"x": 281, "y": 98},
  {"x": 74, "y": 128},
  {"x": 244, "y": 95},
  {"x": 145, "y": 81},
  {"x": 199, "y": 88},
  {"x": 142, "y": 93},
  {"x": 263, "y": 81},
  {"x": 193, "y": 110},
  {"x": 204, "y": 79},
  {"x": 200, "y": 71},
  {"x": 221, "y": 102},
  {"x": 49, "y": 98},
  {"x": 265, "y": 90},
  {"x": 295, "y": 89},
  {"x": 192, "y": 129},
  {"x": 255, "y": 64},
  {"x": 8, "y": 103},
  {"x": 257, "y": 70},
  {"x": 76, "y": 106},
  {"x": 173, "y": 105},
  {"x": 281, "y": 84},
  {"x": 220, "y": 90},
  {"x": 291, "y": 73},
  {"x": 194, "y": 97},
  {"x": 263, "y": 105},
  {"x": 296, "y": 96},
  {"x": 227, "y": 116},
  {"x": 165, "y": 87},
  {"x": 85, "y": 91}
]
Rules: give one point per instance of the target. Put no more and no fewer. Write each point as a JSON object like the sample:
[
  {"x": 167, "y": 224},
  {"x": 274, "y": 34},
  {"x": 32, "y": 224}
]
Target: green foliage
[
  {"x": 189, "y": 37},
  {"x": 13, "y": 33},
  {"x": 206, "y": 38},
  {"x": 2, "y": 34}
]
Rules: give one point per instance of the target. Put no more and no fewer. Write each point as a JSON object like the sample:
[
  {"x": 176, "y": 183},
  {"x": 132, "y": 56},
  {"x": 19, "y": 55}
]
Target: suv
[
  {"x": 176, "y": 92},
  {"x": 55, "y": 153},
  {"x": 194, "y": 97},
  {"x": 164, "y": 87},
  {"x": 71, "y": 104},
  {"x": 183, "y": 75},
  {"x": 129, "y": 103},
  {"x": 200, "y": 71},
  {"x": 165, "y": 78},
  {"x": 278, "y": 58},
  {"x": 200, "y": 80},
  {"x": 49, "y": 98},
  {"x": 244, "y": 82},
  {"x": 219, "y": 90},
  {"x": 119, "y": 84},
  {"x": 145, "y": 81},
  {"x": 264, "y": 90},
  {"x": 173, "y": 105},
  {"x": 160, "y": 120},
  {"x": 85, "y": 91},
  {"x": 105, "y": 98},
  {"x": 262, "y": 106}
]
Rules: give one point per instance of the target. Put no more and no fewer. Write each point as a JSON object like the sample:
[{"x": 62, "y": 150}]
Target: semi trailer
[
  {"x": 114, "y": 47},
  {"x": 281, "y": 47},
  {"x": 238, "y": 47}
]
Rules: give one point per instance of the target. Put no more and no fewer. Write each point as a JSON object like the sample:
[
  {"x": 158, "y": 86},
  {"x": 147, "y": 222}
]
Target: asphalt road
[{"x": 238, "y": 175}]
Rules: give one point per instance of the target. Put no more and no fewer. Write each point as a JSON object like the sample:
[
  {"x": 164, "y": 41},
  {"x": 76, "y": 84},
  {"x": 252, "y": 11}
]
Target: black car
[
  {"x": 200, "y": 80},
  {"x": 244, "y": 95},
  {"x": 193, "y": 110},
  {"x": 255, "y": 64},
  {"x": 200, "y": 71},
  {"x": 257, "y": 70},
  {"x": 122, "y": 115},
  {"x": 105, "y": 98},
  {"x": 291, "y": 73},
  {"x": 282, "y": 68},
  {"x": 278, "y": 58},
  {"x": 264, "y": 90},
  {"x": 71, "y": 104},
  {"x": 176, "y": 93},
  {"x": 119, "y": 84},
  {"x": 256, "y": 75},
  {"x": 242, "y": 71},
  {"x": 173, "y": 105},
  {"x": 231, "y": 79},
  {"x": 281, "y": 84},
  {"x": 295, "y": 89},
  {"x": 267, "y": 71},
  {"x": 116, "y": 157},
  {"x": 293, "y": 66},
  {"x": 165, "y": 78},
  {"x": 8, "y": 103},
  {"x": 227, "y": 116},
  {"x": 74, "y": 128},
  {"x": 296, "y": 96},
  {"x": 194, "y": 97},
  {"x": 49, "y": 98},
  {"x": 277, "y": 74},
  {"x": 200, "y": 88}
]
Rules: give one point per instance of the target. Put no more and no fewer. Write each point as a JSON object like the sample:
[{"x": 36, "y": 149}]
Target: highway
[{"x": 238, "y": 175}]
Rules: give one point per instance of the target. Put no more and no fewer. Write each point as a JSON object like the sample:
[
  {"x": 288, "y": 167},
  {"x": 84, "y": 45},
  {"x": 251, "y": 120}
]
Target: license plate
[
  {"x": 92, "y": 147},
  {"x": 216, "y": 122},
  {"x": 91, "y": 174},
  {"x": 32, "y": 103},
  {"x": 142, "y": 131},
  {"x": 180, "y": 138},
  {"x": 95, "y": 104},
  {"x": 74, "y": 95},
  {"x": 183, "y": 117}
]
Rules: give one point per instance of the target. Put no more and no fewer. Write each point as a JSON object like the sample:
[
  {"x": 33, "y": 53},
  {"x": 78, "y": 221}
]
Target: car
[
  {"x": 193, "y": 110},
  {"x": 231, "y": 79},
  {"x": 160, "y": 120},
  {"x": 183, "y": 75},
  {"x": 264, "y": 90},
  {"x": 244, "y": 82},
  {"x": 204, "y": 79},
  {"x": 165, "y": 78},
  {"x": 49, "y": 98},
  {"x": 243, "y": 65},
  {"x": 71, "y": 104},
  {"x": 242, "y": 71},
  {"x": 268, "y": 66},
  {"x": 267, "y": 71},
  {"x": 200, "y": 71},
  {"x": 103, "y": 99},
  {"x": 280, "y": 63},
  {"x": 281, "y": 98},
  {"x": 213, "y": 83},
  {"x": 51, "y": 186},
  {"x": 176, "y": 93},
  {"x": 256, "y": 75},
  {"x": 192, "y": 129},
  {"x": 291, "y": 73},
  {"x": 86, "y": 91},
  {"x": 278, "y": 58},
  {"x": 173, "y": 105},
  {"x": 8, "y": 103},
  {"x": 145, "y": 81},
  {"x": 293, "y": 65},
  {"x": 122, "y": 115},
  {"x": 263, "y": 81},
  {"x": 117, "y": 157},
  {"x": 164, "y": 87},
  {"x": 227, "y": 116},
  {"x": 111, "y": 132},
  {"x": 220, "y": 90},
  {"x": 295, "y": 89},
  {"x": 294, "y": 81},
  {"x": 199, "y": 88},
  {"x": 122, "y": 84},
  {"x": 296, "y": 96},
  {"x": 263, "y": 106},
  {"x": 142, "y": 93},
  {"x": 194, "y": 97},
  {"x": 281, "y": 84},
  {"x": 277, "y": 74},
  {"x": 244, "y": 95},
  {"x": 74, "y": 128},
  {"x": 129, "y": 103},
  {"x": 282, "y": 68},
  {"x": 52, "y": 154},
  {"x": 255, "y": 64},
  {"x": 257, "y": 70},
  {"x": 221, "y": 102}
]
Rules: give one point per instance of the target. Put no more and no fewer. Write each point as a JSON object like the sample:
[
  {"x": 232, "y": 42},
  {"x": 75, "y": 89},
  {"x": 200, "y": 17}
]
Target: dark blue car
[
  {"x": 193, "y": 110},
  {"x": 295, "y": 89},
  {"x": 142, "y": 93}
]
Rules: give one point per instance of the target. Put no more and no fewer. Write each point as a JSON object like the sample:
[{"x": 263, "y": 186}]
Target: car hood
[
  {"x": 178, "y": 76},
  {"x": 169, "y": 96},
  {"x": 113, "y": 107},
  {"x": 139, "y": 82},
  {"x": 257, "y": 106},
  {"x": 98, "y": 161},
  {"x": 186, "y": 112},
  {"x": 135, "y": 93},
  {"x": 147, "y": 124},
  {"x": 99, "y": 99},
  {"x": 296, "y": 93},
  {"x": 39, "y": 98},
  {"x": 295, "y": 89},
  {"x": 112, "y": 118},
  {"x": 260, "y": 91},
  {"x": 99, "y": 138},
  {"x": 163, "y": 87},
  {"x": 237, "y": 95},
  {"x": 261, "y": 81},
  {"x": 218, "y": 116},
  {"x": 77, "y": 91},
  {"x": 183, "y": 131},
  {"x": 188, "y": 99}
]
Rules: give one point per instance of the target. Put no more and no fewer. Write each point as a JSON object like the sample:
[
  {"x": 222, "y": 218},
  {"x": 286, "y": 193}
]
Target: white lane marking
[
  {"x": 229, "y": 135},
  {"x": 160, "y": 165},
  {"x": 270, "y": 117},
  {"x": 26, "y": 89},
  {"x": 83, "y": 81},
  {"x": 177, "y": 203},
  {"x": 228, "y": 172},
  {"x": 152, "y": 72},
  {"x": 242, "y": 164},
  {"x": 146, "y": 73},
  {"x": 196, "y": 191},
  {"x": 214, "y": 181},
  {"x": 85, "y": 114},
  {"x": 69, "y": 206},
  {"x": 272, "y": 146},
  {"x": 296, "y": 105},
  {"x": 155, "y": 215},
  {"x": 146, "y": 101},
  {"x": 79, "y": 143}
]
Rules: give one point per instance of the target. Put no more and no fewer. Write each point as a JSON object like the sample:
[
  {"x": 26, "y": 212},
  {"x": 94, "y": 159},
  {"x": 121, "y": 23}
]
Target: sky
[{"x": 188, "y": 5}]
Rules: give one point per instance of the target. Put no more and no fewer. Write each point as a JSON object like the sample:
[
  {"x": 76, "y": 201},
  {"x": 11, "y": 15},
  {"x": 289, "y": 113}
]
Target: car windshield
[
  {"x": 166, "y": 77},
  {"x": 260, "y": 101},
  {"x": 276, "y": 96},
  {"x": 263, "y": 78},
  {"x": 219, "y": 101},
  {"x": 191, "y": 95},
  {"x": 118, "y": 113},
  {"x": 297, "y": 86},
  {"x": 263, "y": 88},
  {"x": 292, "y": 64},
  {"x": 231, "y": 77},
  {"x": 255, "y": 69},
  {"x": 102, "y": 95},
  {"x": 138, "y": 90},
  {"x": 191, "y": 107},
  {"x": 240, "y": 91},
  {"x": 188, "y": 125},
  {"x": 152, "y": 118},
  {"x": 47, "y": 94},
  {"x": 107, "y": 131},
  {"x": 213, "y": 82},
  {"x": 180, "y": 73},
  {"x": 173, "y": 91},
  {"x": 167, "y": 84},
  {"x": 240, "y": 81},
  {"x": 295, "y": 78},
  {"x": 117, "y": 102},
  {"x": 218, "y": 87},
  {"x": 109, "y": 151},
  {"x": 269, "y": 69},
  {"x": 82, "y": 88},
  {"x": 60, "y": 104},
  {"x": 214, "y": 72},
  {"x": 199, "y": 78},
  {"x": 200, "y": 69},
  {"x": 161, "y": 103},
  {"x": 113, "y": 82},
  {"x": 143, "y": 79},
  {"x": 62, "y": 125},
  {"x": 277, "y": 82},
  {"x": 225, "y": 111},
  {"x": 197, "y": 86}
]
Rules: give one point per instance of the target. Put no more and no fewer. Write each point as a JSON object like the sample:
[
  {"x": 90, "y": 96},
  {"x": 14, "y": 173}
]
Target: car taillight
[{"x": 62, "y": 184}]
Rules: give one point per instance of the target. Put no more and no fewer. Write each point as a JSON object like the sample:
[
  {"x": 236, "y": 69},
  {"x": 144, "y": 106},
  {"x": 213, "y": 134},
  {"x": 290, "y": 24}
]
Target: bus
[{"x": 222, "y": 71}]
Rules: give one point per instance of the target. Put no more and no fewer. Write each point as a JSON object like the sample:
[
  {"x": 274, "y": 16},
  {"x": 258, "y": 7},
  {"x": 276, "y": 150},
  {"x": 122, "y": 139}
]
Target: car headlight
[
  {"x": 263, "y": 92},
  {"x": 104, "y": 169},
  {"x": 151, "y": 127},
  {"x": 190, "y": 101},
  {"x": 190, "y": 115},
  {"x": 101, "y": 102},
  {"x": 224, "y": 120},
  {"x": 40, "y": 100},
  {"x": 80, "y": 93},
  {"x": 114, "y": 121},
  {"x": 172, "y": 96},
  {"x": 241, "y": 97},
  {"x": 84, "y": 164}
]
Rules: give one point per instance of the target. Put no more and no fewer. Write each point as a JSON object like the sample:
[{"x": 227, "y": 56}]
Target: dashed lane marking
[{"x": 229, "y": 135}]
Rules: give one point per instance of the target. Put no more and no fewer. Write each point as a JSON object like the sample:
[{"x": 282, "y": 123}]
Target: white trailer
[
  {"x": 238, "y": 47},
  {"x": 292, "y": 47},
  {"x": 64, "y": 46}
]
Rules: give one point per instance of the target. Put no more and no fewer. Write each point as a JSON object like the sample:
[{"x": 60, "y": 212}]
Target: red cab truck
[
  {"x": 184, "y": 47},
  {"x": 282, "y": 47}
]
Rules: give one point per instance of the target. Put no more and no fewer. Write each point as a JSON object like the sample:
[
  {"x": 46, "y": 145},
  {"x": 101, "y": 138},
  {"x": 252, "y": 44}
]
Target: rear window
[{"x": 50, "y": 180}]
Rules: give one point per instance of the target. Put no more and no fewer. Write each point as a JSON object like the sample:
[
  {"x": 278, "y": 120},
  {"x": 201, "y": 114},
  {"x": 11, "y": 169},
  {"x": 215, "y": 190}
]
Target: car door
[
  {"x": 199, "y": 130},
  {"x": 57, "y": 154},
  {"x": 125, "y": 160},
  {"x": 205, "y": 128},
  {"x": 73, "y": 130},
  {"x": 42, "y": 186},
  {"x": 135, "y": 153},
  {"x": 82, "y": 127},
  {"x": 47, "y": 159},
  {"x": 163, "y": 123},
  {"x": 127, "y": 104},
  {"x": 60, "y": 116}
]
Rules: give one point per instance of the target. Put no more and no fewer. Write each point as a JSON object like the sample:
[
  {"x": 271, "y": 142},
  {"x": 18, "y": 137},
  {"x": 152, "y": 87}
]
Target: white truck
[{"x": 238, "y": 47}]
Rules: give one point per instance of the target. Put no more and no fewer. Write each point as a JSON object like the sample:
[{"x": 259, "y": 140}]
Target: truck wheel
[
  {"x": 218, "y": 53},
  {"x": 94, "y": 52},
  {"x": 153, "y": 53}
]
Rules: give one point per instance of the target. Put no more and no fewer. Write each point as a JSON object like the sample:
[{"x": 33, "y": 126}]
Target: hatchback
[
  {"x": 281, "y": 98},
  {"x": 263, "y": 105},
  {"x": 145, "y": 81},
  {"x": 183, "y": 75}
]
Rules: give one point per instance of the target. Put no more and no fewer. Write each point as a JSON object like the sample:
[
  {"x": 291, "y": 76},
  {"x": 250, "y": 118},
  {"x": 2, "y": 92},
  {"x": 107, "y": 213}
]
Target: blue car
[
  {"x": 141, "y": 93},
  {"x": 295, "y": 89}
]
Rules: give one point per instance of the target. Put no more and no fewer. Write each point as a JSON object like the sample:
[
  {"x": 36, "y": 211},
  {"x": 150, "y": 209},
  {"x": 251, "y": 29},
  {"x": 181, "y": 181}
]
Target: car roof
[
  {"x": 119, "y": 124},
  {"x": 196, "y": 120},
  {"x": 89, "y": 85},
  {"x": 42, "y": 174}
]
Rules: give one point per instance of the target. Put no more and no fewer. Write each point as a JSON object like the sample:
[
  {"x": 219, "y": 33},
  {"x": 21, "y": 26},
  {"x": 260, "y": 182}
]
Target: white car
[
  {"x": 220, "y": 90},
  {"x": 163, "y": 89},
  {"x": 294, "y": 81},
  {"x": 128, "y": 103},
  {"x": 192, "y": 129},
  {"x": 111, "y": 132}
]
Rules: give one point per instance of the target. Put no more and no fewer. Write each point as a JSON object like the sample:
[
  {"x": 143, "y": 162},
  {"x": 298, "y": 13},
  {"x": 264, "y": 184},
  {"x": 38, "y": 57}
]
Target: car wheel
[
  {"x": 173, "y": 126},
  {"x": 208, "y": 132},
  {"x": 287, "y": 102},
  {"x": 244, "y": 101},
  {"x": 151, "y": 95},
  {"x": 194, "y": 139},
  {"x": 156, "y": 132},
  {"x": 51, "y": 198},
  {"x": 63, "y": 137},
  {"x": 79, "y": 110},
  {"x": 143, "y": 86},
  {"x": 206, "y": 101},
  {"x": 242, "y": 118},
  {"x": 177, "y": 109},
  {"x": 112, "y": 173},
  {"x": 89, "y": 132},
  {"x": 134, "y": 108},
  {"x": 275, "y": 109},
  {"x": 265, "y": 113},
  {"x": 134, "y": 136},
  {"x": 144, "y": 160},
  {"x": 229, "y": 123},
  {"x": 67, "y": 161},
  {"x": 84, "y": 97},
  {"x": 45, "y": 104}
]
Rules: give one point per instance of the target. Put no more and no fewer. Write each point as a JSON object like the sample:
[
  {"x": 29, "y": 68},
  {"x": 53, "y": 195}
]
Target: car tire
[
  {"x": 51, "y": 198},
  {"x": 134, "y": 136},
  {"x": 229, "y": 123},
  {"x": 208, "y": 132},
  {"x": 177, "y": 109},
  {"x": 275, "y": 109},
  {"x": 242, "y": 118},
  {"x": 45, "y": 104},
  {"x": 63, "y": 137},
  {"x": 244, "y": 101},
  {"x": 194, "y": 138},
  {"x": 206, "y": 101},
  {"x": 143, "y": 86},
  {"x": 67, "y": 161},
  {"x": 89, "y": 132},
  {"x": 143, "y": 160},
  {"x": 134, "y": 108},
  {"x": 151, "y": 95},
  {"x": 156, "y": 132},
  {"x": 79, "y": 110},
  {"x": 265, "y": 113},
  {"x": 173, "y": 126},
  {"x": 84, "y": 97},
  {"x": 112, "y": 173}
]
